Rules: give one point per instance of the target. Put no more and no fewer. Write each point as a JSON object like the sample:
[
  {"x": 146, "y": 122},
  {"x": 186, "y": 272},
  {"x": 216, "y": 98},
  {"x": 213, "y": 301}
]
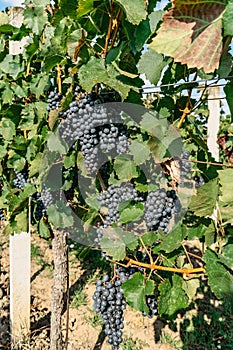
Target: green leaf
[
  {"x": 44, "y": 229},
  {"x": 125, "y": 168},
  {"x": 210, "y": 233},
  {"x": 173, "y": 239},
  {"x": 151, "y": 64},
  {"x": 225, "y": 179},
  {"x": 35, "y": 19},
  {"x": 146, "y": 28},
  {"x": 227, "y": 19},
  {"x": 135, "y": 10},
  {"x": 190, "y": 287},
  {"x": 55, "y": 144},
  {"x": 135, "y": 291},
  {"x": 84, "y": 7},
  {"x": 95, "y": 72},
  {"x": 172, "y": 297},
  {"x": 93, "y": 202},
  {"x": 226, "y": 256},
  {"x": 20, "y": 223},
  {"x": 149, "y": 238},
  {"x": 4, "y": 18},
  {"x": 12, "y": 65},
  {"x": 115, "y": 241},
  {"x": 7, "y": 129},
  {"x": 204, "y": 202},
  {"x": 132, "y": 213},
  {"x": 139, "y": 151},
  {"x": 228, "y": 90},
  {"x": 60, "y": 215},
  {"x": 219, "y": 278}
]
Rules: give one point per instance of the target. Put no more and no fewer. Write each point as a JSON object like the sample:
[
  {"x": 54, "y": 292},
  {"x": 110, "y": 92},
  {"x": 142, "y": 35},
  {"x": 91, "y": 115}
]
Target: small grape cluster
[
  {"x": 185, "y": 166},
  {"x": 152, "y": 305},
  {"x": 20, "y": 180},
  {"x": 110, "y": 303},
  {"x": 110, "y": 201},
  {"x": 97, "y": 129},
  {"x": 43, "y": 200},
  {"x": 159, "y": 208},
  {"x": 2, "y": 215},
  {"x": 199, "y": 181},
  {"x": 53, "y": 100}
]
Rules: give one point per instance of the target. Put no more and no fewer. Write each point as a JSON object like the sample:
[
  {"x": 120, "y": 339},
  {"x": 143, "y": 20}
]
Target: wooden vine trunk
[{"x": 59, "y": 292}]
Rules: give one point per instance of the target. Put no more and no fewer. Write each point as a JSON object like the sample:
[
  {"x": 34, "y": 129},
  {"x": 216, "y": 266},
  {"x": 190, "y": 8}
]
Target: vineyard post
[
  {"x": 213, "y": 121},
  {"x": 19, "y": 243}
]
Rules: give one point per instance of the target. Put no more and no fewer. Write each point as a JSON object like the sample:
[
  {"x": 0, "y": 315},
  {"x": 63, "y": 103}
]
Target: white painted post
[
  {"x": 20, "y": 245},
  {"x": 212, "y": 130},
  {"x": 213, "y": 121}
]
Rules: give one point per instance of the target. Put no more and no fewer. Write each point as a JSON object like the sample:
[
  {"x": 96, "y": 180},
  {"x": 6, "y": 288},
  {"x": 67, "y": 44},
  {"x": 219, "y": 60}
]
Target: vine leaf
[
  {"x": 174, "y": 239},
  {"x": 191, "y": 33},
  {"x": 84, "y": 7},
  {"x": 115, "y": 241},
  {"x": 139, "y": 151},
  {"x": 172, "y": 296},
  {"x": 135, "y": 10},
  {"x": 204, "y": 202},
  {"x": 60, "y": 215},
  {"x": 95, "y": 72},
  {"x": 125, "y": 168},
  {"x": 151, "y": 64},
  {"x": 225, "y": 178},
  {"x": 219, "y": 278},
  {"x": 135, "y": 291},
  {"x": 227, "y": 19},
  {"x": 132, "y": 213}
]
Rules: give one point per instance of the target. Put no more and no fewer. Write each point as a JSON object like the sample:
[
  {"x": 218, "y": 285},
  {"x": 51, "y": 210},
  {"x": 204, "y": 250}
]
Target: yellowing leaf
[{"x": 191, "y": 33}]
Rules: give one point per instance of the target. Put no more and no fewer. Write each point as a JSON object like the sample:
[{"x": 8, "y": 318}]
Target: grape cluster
[
  {"x": 110, "y": 200},
  {"x": 152, "y": 305},
  {"x": 185, "y": 166},
  {"x": 43, "y": 200},
  {"x": 97, "y": 129},
  {"x": 159, "y": 208},
  {"x": 199, "y": 181},
  {"x": 53, "y": 100},
  {"x": 110, "y": 303},
  {"x": 20, "y": 180},
  {"x": 2, "y": 215}
]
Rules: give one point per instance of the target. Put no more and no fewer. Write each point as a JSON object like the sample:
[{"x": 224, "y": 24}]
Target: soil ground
[{"x": 85, "y": 327}]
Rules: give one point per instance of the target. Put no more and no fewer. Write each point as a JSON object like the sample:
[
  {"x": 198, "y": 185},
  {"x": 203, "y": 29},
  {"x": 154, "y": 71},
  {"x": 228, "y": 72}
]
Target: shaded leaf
[
  {"x": 125, "y": 168},
  {"x": 135, "y": 291},
  {"x": 219, "y": 278},
  {"x": 115, "y": 241},
  {"x": 173, "y": 239},
  {"x": 132, "y": 213},
  {"x": 151, "y": 64},
  {"x": 139, "y": 151},
  {"x": 172, "y": 296},
  {"x": 204, "y": 202},
  {"x": 227, "y": 19}
]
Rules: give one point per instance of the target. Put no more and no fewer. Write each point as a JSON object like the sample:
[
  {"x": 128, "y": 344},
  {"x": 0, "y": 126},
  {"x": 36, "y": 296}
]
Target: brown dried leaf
[{"x": 191, "y": 33}]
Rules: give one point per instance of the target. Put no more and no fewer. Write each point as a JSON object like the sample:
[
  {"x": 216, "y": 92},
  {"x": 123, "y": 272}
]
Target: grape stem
[{"x": 153, "y": 266}]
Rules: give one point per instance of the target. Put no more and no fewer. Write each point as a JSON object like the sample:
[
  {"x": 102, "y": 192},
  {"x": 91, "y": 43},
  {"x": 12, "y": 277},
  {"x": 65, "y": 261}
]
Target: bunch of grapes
[
  {"x": 2, "y": 215},
  {"x": 152, "y": 305},
  {"x": 97, "y": 129},
  {"x": 110, "y": 200},
  {"x": 20, "y": 180},
  {"x": 185, "y": 166},
  {"x": 43, "y": 200},
  {"x": 110, "y": 303},
  {"x": 53, "y": 100},
  {"x": 159, "y": 208}
]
